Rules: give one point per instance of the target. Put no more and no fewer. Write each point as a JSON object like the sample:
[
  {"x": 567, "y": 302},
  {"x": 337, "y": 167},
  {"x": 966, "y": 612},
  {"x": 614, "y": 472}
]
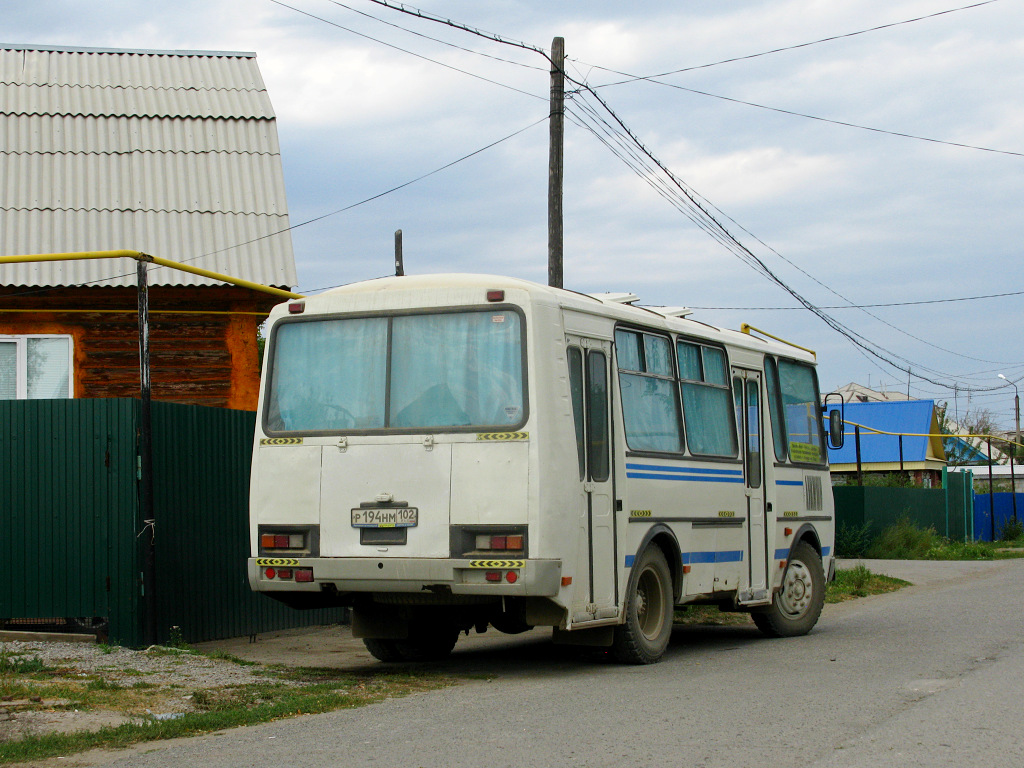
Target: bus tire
[
  {"x": 644, "y": 636},
  {"x": 383, "y": 650},
  {"x": 797, "y": 606},
  {"x": 429, "y": 643}
]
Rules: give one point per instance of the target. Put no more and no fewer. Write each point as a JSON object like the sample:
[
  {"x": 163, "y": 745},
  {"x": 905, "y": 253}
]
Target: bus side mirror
[{"x": 836, "y": 427}]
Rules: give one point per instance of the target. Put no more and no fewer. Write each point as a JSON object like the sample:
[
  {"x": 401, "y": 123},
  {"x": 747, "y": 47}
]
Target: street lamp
[{"x": 1016, "y": 409}]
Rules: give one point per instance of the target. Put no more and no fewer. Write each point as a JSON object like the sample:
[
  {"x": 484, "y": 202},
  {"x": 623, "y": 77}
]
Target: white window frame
[{"x": 21, "y": 360}]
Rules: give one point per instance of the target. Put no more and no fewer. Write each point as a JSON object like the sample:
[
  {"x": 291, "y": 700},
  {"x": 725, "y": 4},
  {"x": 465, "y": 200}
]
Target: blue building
[{"x": 895, "y": 436}]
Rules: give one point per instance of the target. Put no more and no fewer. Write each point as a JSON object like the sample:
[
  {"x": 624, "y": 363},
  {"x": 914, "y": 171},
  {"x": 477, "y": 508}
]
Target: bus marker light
[
  {"x": 686, "y": 568},
  {"x": 493, "y": 576},
  {"x": 787, "y": 531},
  {"x": 566, "y": 581},
  {"x": 296, "y": 307},
  {"x": 270, "y": 573},
  {"x": 512, "y": 577},
  {"x": 304, "y": 574},
  {"x": 495, "y": 295},
  {"x": 782, "y": 563}
]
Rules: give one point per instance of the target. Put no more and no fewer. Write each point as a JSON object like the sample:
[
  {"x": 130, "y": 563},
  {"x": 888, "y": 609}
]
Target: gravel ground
[
  {"x": 174, "y": 674},
  {"x": 155, "y": 665}
]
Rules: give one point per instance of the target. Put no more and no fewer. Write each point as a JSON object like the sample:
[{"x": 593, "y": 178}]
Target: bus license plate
[{"x": 388, "y": 517}]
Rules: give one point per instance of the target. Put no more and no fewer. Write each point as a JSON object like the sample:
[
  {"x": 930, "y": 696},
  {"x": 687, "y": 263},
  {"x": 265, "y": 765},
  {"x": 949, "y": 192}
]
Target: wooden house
[{"x": 172, "y": 153}]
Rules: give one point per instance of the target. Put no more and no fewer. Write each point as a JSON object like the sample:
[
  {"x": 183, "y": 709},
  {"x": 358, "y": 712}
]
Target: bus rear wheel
[
  {"x": 425, "y": 644},
  {"x": 649, "y": 601},
  {"x": 798, "y": 604}
]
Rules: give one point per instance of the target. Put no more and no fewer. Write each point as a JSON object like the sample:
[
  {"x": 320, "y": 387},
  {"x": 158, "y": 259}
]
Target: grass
[
  {"x": 906, "y": 541},
  {"x": 859, "y": 581},
  {"x": 290, "y": 693}
]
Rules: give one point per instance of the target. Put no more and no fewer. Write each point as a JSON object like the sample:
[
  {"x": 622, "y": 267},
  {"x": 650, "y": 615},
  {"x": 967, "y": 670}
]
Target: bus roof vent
[
  {"x": 673, "y": 311},
  {"x": 617, "y": 298}
]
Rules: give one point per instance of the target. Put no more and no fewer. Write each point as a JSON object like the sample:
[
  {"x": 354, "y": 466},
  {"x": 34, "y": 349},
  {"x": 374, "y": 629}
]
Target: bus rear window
[{"x": 408, "y": 372}]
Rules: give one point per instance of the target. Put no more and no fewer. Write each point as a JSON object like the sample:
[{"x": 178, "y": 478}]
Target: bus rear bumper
[{"x": 498, "y": 577}]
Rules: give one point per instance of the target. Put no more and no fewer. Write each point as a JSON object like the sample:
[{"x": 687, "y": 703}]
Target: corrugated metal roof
[
  {"x": 171, "y": 153},
  {"x": 216, "y": 241},
  {"x": 76, "y": 133},
  {"x": 210, "y": 182},
  {"x": 140, "y": 69},
  {"x": 910, "y": 417}
]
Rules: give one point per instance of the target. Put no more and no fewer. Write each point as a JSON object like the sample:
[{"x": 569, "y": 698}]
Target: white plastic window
[{"x": 35, "y": 367}]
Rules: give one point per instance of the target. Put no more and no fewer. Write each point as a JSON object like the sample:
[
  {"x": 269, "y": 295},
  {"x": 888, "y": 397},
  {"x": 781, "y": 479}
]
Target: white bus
[{"x": 451, "y": 452}]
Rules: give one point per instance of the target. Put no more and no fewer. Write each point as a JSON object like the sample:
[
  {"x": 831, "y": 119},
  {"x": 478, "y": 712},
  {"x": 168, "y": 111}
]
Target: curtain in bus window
[
  {"x": 689, "y": 361},
  {"x": 753, "y": 428},
  {"x": 627, "y": 350},
  {"x": 715, "y": 369},
  {"x": 48, "y": 368},
  {"x": 8, "y": 370},
  {"x": 649, "y": 412},
  {"x": 657, "y": 355},
  {"x": 802, "y": 413},
  {"x": 709, "y": 427},
  {"x": 456, "y": 370},
  {"x": 328, "y": 375},
  {"x": 771, "y": 371},
  {"x": 575, "y": 356},
  {"x": 597, "y": 417}
]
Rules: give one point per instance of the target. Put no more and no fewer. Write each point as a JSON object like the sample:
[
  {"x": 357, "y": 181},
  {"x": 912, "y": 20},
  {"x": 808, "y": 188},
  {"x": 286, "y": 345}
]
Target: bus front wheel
[
  {"x": 798, "y": 604},
  {"x": 649, "y": 601}
]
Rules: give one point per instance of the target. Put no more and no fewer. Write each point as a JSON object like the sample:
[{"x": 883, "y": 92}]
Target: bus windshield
[{"x": 460, "y": 370}]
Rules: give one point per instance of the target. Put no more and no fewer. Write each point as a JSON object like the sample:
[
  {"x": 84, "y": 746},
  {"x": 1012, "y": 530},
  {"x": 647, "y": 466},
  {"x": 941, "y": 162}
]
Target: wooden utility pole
[
  {"x": 399, "y": 259},
  {"x": 557, "y": 127},
  {"x": 145, "y": 467}
]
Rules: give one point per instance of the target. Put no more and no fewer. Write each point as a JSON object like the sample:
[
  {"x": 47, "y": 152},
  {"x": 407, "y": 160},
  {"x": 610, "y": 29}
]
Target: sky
[{"x": 368, "y": 99}]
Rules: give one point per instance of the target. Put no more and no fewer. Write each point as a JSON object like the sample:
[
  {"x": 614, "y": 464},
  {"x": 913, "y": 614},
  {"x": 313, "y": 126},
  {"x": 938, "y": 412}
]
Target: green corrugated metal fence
[
  {"x": 948, "y": 510},
  {"x": 70, "y": 515}
]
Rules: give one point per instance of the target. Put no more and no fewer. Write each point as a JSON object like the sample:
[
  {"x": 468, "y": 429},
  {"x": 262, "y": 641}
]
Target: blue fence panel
[{"x": 983, "y": 522}]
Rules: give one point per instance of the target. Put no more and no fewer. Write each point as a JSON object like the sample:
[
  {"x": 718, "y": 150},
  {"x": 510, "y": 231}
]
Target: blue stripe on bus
[
  {"x": 697, "y": 558},
  {"x": 782, "y": 554},
  {"x": 789, "y": 482},
  {"x": 697, "y": 470},
  {"x": 729, "y": 556},
  {"x": 690, "y": 479}
]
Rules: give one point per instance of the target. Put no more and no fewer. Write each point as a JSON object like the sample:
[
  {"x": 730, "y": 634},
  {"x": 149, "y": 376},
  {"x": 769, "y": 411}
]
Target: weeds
[
  {"x": 11, "y": 663},
  {"x": 903, "y": 541},
  {"x": 853, "y": 541},
  {"x": 1012, "y": 530},
  {"x": 859, "y": 581}
]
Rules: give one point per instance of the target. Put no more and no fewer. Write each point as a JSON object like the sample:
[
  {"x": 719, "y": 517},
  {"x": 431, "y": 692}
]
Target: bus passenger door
[
  {"x": 747, "y": 394},
  {"x": 595, "y": 585}
]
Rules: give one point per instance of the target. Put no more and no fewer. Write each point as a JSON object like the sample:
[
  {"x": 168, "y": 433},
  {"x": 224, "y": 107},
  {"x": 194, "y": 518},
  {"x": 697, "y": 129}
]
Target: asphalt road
[{"x": 931, "y": 675}]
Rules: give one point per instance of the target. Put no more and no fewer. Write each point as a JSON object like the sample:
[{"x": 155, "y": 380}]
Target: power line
[
  {"x": 444, "y": 42},
  {"x": 377, "y": 196},
  {"x": 687, "y": 201},
  {"x": 874, "y": 306},
  {"x": 635, "y": 78},
  {"x": 404, "y": 50}
]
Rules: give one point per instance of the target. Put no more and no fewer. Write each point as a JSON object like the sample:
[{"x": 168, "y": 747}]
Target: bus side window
[
  {"x": 575, "y": 356},
  {"x": 597, "y": 417}
]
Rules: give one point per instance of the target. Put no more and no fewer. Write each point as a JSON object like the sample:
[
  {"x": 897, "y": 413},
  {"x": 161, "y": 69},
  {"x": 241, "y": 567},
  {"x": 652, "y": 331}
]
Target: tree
[{"x": 977, "y": 421}]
